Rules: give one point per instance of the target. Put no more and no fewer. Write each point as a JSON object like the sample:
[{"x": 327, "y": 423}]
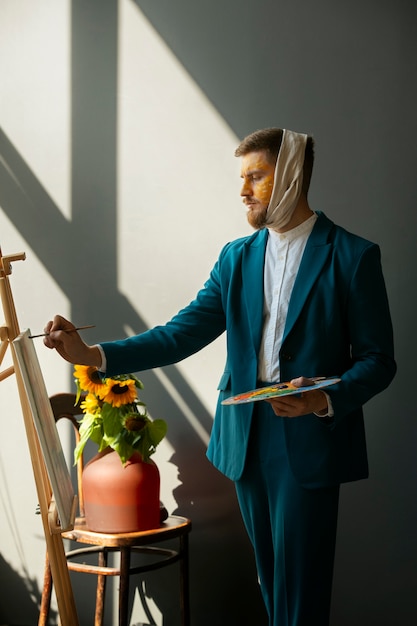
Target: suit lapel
[
  {"x": 253, "y": 284},
  {"x": 315, "y": 255}
]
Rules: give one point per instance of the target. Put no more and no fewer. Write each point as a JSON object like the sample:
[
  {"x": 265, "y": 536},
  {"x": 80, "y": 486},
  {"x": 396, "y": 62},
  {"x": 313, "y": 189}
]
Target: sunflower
[
  {"x": 119, "y": 392},
  {"x": 135, "y": 422},
  {"x": 88, "y": 378},
  {"x": 90, "y": 404}
]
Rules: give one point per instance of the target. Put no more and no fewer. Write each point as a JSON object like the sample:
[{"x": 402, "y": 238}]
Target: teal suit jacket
[{"x": 338, "y": 324}]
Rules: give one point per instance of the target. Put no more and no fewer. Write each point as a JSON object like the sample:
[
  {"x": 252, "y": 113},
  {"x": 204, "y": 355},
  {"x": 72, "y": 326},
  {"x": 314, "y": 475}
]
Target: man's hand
[
  {"x": 305, "y": 403},
  {"x": 68, "y": 343}
]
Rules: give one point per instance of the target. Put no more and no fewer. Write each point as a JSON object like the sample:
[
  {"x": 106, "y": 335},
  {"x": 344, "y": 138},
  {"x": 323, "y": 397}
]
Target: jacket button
[{"x": 286, "y": 357}]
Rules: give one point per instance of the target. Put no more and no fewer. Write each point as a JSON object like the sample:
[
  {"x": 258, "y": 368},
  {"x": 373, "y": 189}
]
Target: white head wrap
[{"x": 288, "y": 180}]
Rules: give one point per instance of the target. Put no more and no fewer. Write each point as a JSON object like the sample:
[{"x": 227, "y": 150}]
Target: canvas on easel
[
  {"x": 50, "y": 511},
  {"x": 43, "y": 417}
]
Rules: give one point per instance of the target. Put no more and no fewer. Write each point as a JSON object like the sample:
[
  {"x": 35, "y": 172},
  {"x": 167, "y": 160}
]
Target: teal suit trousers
[{"x": 292, "y": 528}]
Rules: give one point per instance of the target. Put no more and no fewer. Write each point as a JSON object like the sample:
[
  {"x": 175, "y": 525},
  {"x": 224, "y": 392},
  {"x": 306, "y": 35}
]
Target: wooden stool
[{"x": 126, "y": 544}]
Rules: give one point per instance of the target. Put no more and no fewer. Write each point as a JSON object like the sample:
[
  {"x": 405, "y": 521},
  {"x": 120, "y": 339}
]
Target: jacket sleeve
[
  {"x": 372, "y": 364},
  {"x": 194, "y": 327}
]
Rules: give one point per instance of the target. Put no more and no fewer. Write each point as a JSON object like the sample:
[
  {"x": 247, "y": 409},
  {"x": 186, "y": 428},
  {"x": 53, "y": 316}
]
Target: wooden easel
[{"x": 54, "y": 543}]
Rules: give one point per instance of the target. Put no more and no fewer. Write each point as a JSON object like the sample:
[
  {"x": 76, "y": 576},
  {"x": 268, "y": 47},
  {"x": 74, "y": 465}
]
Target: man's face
[{"x": 257, "y": 174}]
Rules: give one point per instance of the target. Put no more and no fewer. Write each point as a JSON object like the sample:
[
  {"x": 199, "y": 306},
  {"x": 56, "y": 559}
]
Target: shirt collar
[{"x": 302, "y": 230}]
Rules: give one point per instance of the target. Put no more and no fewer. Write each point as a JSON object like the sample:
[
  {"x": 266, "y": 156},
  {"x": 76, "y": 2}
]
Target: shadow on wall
[{"x": 19, "y": 597}]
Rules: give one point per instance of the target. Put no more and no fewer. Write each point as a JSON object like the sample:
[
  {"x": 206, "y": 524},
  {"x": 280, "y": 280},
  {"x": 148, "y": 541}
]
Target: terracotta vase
[{"x": 120, "y": 499}]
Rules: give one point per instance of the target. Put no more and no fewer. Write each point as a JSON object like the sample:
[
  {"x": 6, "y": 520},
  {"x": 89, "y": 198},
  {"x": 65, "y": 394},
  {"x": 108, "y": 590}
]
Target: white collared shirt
[{"x": 282, "y": 260}]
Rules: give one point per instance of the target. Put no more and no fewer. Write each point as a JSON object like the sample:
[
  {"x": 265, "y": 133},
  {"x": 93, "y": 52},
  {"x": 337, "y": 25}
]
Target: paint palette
[{"x": 279, "y": 389}]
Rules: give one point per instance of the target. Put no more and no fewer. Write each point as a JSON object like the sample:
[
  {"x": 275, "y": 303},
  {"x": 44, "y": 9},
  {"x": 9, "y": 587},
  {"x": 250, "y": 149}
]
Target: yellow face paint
[
  {"x": 263, "y": 188},
  {"x": 258, "y": 177},
  {"x": 257, "y": 174}
]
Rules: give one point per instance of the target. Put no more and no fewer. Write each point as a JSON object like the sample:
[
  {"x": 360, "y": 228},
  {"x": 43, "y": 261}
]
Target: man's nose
[{"x": 246, "y": 189}]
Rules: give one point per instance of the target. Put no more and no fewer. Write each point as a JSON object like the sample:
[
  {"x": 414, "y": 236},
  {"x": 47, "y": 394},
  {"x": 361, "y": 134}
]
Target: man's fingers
[{"x": 302, "y": 381}]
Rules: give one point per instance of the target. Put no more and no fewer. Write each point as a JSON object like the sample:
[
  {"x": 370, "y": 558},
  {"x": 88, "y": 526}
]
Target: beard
[{"x": 256, "y": 216}]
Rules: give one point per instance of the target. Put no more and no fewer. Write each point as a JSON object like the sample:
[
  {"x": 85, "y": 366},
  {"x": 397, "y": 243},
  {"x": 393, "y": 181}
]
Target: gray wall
[{"x": 344, "y": 72}]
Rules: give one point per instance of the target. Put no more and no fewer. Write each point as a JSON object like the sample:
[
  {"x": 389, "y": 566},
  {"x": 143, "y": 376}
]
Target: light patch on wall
[
  {"x": 169, "y": 473},
  {"x": 191, "y": 418},
  {"x": 139, "y": 612},
  {"x": 178, "y": 186},
  {"x": 178, "y": 181},
  {"x": 35, "y": 115}
]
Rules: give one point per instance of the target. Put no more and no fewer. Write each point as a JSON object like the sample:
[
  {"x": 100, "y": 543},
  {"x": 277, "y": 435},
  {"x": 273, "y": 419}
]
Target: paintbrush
[{"x": 70, "y": 330}]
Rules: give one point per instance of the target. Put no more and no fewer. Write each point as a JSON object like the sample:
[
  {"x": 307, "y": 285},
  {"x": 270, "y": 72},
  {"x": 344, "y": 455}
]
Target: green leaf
[
  {"x": 86, "y": 430},
  {"x": 79, "y": 390},
  {"x": 157, "y": 431},
  {"x": 111, "y": 420}
]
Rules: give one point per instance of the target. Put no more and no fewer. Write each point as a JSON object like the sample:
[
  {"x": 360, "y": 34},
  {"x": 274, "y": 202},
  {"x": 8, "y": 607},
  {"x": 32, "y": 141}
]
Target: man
[{"x": 299, "y": 298}]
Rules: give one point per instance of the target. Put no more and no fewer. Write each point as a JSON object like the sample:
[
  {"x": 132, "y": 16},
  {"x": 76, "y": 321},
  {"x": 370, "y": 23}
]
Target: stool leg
[
  {"x": 101, "y": 589},
  {"x": 46, "y": 594},
  {"x": 124, "y": 585},
  {"x": 184, "y": 582}
]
